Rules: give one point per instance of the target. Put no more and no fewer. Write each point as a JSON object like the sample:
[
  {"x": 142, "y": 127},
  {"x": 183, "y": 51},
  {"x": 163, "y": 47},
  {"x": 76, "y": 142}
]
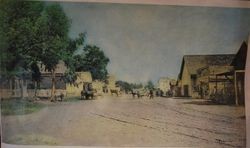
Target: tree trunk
[
  {"x": 23, "y": 88},
  {"x": 53, "y": 80},
  {"x": 11, "y": 87}
]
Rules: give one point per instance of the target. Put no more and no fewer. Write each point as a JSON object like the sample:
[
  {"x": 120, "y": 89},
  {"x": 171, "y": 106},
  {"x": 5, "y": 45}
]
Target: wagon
[
  {"x": 88, "y": 91},
  {"x": 139, "y": 93}
]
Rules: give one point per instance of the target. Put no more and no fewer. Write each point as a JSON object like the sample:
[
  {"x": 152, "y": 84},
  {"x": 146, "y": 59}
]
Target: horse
[
  {"x": 114, "y": 91},
  {"x": 137, "y": 93}
]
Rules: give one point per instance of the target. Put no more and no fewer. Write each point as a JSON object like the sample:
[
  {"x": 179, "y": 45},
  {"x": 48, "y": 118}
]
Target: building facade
[
  {"x": 197, "y": 71},
  {"x": 165, "y": 84},
  {"x": 111, "y": 84},
  {"x": 210, "y": 83},
  {"x": 23, "y": 86}
]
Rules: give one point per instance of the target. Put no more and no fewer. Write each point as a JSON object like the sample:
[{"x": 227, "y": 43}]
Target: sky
[{"x": 147, "y": 42}]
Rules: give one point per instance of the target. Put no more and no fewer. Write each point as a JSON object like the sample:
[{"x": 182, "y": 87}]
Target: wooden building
[
  {"x": 23, "y": 86},
  {"x": 46, "y": 82},
  {"x": 239, "y": 64},
  {"x": 199, "y": 68},
  {"x": 238, "y": 74},
  {"x": 210, "y": 84}
]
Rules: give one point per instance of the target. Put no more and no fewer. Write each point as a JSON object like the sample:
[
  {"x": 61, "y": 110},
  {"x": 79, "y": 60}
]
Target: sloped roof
[
  {"x": 195, "y": 62},
  {"x": 60, "y": 68},
  {"x": 239, "y": 62}
]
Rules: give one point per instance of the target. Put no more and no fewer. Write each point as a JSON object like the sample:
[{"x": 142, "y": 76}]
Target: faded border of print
[{"x": 205, "y": 3}]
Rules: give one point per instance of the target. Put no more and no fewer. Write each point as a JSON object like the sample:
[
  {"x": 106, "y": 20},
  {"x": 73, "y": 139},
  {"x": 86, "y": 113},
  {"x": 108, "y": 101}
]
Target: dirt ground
[{"x": 124, "y": 121}]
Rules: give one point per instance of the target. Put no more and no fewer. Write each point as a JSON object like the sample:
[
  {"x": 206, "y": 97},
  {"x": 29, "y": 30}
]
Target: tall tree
[
  {"x": 55, "y": 27},
  {"x": 94, "y": 60},
  {"x": 71, "y": 60},
  {"x": 18, "y": 34},
  {"x": 32, "y": 32}
]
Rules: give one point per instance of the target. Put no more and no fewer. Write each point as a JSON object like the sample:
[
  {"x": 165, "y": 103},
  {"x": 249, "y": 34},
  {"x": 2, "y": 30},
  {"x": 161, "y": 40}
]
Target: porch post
[
  {"x": 235, "y": 89},
  {"x": 216, "y": 84}
]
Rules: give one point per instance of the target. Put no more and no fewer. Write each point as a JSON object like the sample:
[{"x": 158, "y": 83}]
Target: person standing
[{"x": 151, "y": 94}]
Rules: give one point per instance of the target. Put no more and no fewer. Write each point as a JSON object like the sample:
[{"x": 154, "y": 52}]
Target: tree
[
  {"x": 36, "y": 76},
  {"x": 32, "y": 33},
  {"x": 54, "y": 33},
  {"x": 18, "y": 35},
  {"x": 136, "y": 86},
  {"x": 128, "y": 86},
  {"x": 71, "y": 60},
  {"x": 124, "y": 86},
  {"x": 150, "y": 85},
  {"x": 94, "y": 60}
]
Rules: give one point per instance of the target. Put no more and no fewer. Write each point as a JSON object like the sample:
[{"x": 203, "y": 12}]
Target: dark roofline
[
  {"x": 189, "y": 55},
  {"x": 242, "y": 51},
  {"x": 181, "y": 70}
]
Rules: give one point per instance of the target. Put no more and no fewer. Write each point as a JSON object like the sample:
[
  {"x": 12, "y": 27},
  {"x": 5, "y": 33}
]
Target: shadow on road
[{"x": 205, "y": 102}]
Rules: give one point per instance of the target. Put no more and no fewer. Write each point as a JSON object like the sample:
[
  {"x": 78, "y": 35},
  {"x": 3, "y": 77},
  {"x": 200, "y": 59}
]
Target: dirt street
[{"x": 125, "y": 121}]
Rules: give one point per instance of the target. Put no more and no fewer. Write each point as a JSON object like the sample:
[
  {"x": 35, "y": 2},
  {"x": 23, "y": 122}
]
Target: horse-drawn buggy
[
  {"x": 88, "y": 91},
  {"x": 139, "y": 93}
]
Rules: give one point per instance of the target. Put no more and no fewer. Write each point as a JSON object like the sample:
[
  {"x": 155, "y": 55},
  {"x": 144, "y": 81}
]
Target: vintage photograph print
[{"x": 106, "y": 74}]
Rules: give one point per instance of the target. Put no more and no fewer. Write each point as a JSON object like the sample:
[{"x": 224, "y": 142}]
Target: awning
[{"x": 228, "y": 73}]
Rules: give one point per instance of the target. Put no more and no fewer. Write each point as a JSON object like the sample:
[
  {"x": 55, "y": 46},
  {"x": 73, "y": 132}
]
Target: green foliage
[
  {"x": 70, "y": 60},
  {"x": 70, "y": 76},
  {"x": 54, "y": 26},
  {"x": 72, "y": 99},
  {"x": 94, "y": 60},
  {"x": 32, "y": 32},
  {"x": 136, "y": 85},
  {"x": 18, "y": 34},
  {"x": 128, "y": 86},
  {"x": 124, "y": 85},
  {"x": 150, "y": 85},
  {"x": 31, "y": 139}
]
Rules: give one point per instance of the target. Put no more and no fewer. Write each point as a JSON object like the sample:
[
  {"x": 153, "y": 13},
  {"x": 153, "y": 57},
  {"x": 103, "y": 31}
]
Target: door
[{"x": 186, "y": 91}]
